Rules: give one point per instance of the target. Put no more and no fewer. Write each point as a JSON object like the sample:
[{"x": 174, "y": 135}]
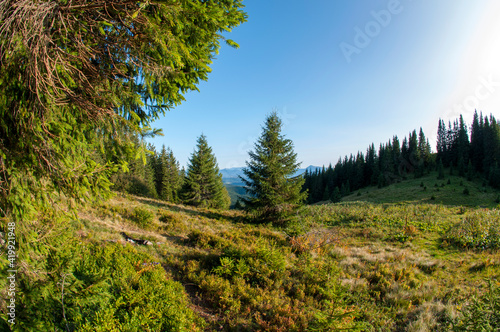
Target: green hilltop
[{"x": 428, "y": 189}]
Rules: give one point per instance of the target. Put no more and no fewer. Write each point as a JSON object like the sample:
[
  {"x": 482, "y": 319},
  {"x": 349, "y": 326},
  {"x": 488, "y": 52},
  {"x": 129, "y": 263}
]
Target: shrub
[
  {"x": 479, "y": 230},
  {"x": 466, "y": 191},
  {"x": 172, "y": 220},
  {"x": 206, "y": 240},
  {"x": 106, "y": 288},
  {"x": 142, "y": 217}
]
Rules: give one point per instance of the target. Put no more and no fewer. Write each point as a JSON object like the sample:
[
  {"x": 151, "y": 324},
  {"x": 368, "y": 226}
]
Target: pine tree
[
  {"x": 336, "y": 196},
  {"x": 326, "y": 194},
  {"x": 149, "y": 173},
  {"x": 203, "y": 186},
  {"x": 99, "y": 71},
  {"x": 477, "y": 142},
  {"x": 160, "y": 160},
  {"x": 470, "y": 171},
  {"x": 461, "y": 166},
  {"x": 440, "y": 169},
  {"x": 424, "y": 149},
  {"x": 494, "y": 176},
  {"x": 269, "y": 176},
  {"x": 138, "y": 178},
  {"x": 462, "y": 141},
  {"x": 170, "y": 178}
]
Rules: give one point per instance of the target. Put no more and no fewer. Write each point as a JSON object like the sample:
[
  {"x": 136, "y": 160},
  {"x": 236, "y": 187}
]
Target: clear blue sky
[{"x": 339, "y": 90}]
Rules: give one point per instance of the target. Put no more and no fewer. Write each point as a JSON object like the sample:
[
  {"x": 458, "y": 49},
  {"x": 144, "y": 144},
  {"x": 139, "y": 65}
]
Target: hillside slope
[
  {"x": 428, "y": 189},
  {"x": 387, "y": 267}
]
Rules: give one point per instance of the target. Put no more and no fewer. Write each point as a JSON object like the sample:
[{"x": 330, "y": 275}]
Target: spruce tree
[
  {"x": 461, "y": 166},
  {"x": 203, "y": 186},
  {"x": 78, "y": 73},
  {"x": 169, "y": 178},
  {"x": 336, "y": 196},
  {"x": 470, "y": 171},
  {"x": 273, "y": 190},
  {"x": 440, "y": 169}
]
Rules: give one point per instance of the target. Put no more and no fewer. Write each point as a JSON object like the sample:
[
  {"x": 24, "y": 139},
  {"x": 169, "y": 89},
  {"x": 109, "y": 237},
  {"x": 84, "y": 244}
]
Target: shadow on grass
[{"x": 230, "y": 215}]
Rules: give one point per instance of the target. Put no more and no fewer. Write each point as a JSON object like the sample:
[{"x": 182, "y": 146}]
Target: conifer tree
[
  {"x": 168, "y": 176},
  {"x": 440, "y": 169},
  {"x": 138, "y": 179},
  {"x": 442, "y": 147},
  {"x": 336, "y": 196},
  {"x": 203, "y": 186},
  {"x": 470, "y": 171},
  {"x": 269, "y": 176},
  {"x": 494, "y": 176},
  {"x": 461, "y": 166},
  {"x": 477, "y": 142},
  {"x": 159, "y": 169},
  {"x": 77, "y": 73}
]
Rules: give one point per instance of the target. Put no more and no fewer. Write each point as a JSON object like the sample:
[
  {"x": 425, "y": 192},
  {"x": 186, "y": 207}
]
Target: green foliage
[
  {"x": 258, "y": 286},
  {"x": 89, "y": 81},
  {"x": 478, "y": 230},
  {"x": 481, "y": 313},
  {"x": 337, "y": 268},
  {"x": 440, "y": 169},
  {"x": 390, "y": 165},
  {"x": 142, "y": 217},
  {"x": 168, "y": 176},
  {"x": 336, "y": 196},
  {"x": 138, "y": 177},
  {"x": 273, "y": 190},
  {"x": 203, "y": 186},
  {"x": 96, "y": 287}
]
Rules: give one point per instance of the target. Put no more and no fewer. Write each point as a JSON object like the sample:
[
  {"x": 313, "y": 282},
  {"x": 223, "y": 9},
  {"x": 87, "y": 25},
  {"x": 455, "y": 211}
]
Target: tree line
[
  {"x": 473, "y": 152},
  {"x": 272, "y": 190},
  {"x": 159, "y": 176}
]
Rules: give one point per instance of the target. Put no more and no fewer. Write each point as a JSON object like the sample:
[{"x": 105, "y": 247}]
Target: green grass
[
  {"x": 433, "y": 191},
  {"x": 359, "y": 265}
]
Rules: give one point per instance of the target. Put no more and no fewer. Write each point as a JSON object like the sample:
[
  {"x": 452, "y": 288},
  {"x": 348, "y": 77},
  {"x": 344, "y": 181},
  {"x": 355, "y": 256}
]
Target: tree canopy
[{"x": 87, "y": 75}]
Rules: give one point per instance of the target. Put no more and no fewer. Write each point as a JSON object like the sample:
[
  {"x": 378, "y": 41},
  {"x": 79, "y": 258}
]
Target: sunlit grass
[{"x": 361, "y": 265}]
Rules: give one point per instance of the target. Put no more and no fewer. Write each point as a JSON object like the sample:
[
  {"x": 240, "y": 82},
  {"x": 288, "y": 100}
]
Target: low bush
[
  {"x": 142, "y": 217},
  {"x": 103, "y": 288},
  {"x": 478, "y": 230}
]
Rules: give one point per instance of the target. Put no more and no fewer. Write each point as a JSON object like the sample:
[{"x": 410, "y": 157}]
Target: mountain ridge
[{"x": 231, "y": 175}]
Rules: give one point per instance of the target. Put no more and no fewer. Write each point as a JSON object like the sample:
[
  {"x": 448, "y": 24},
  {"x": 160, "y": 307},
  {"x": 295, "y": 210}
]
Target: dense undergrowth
[{"x": 355, "y": 266}]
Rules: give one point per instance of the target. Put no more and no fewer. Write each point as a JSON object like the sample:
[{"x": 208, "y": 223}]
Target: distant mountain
[{"x": 231, "y": 175}]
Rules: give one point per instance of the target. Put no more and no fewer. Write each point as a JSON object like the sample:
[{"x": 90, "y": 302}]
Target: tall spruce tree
[
  {"x": 477, "y": 142},
  {"x": 203, "y": 186},
  {"x": 273, "y": 190},
  {"x": 168, "y": 177},
  {"x": 75, "y": 73},
  {"x": 173, "y": 178}
]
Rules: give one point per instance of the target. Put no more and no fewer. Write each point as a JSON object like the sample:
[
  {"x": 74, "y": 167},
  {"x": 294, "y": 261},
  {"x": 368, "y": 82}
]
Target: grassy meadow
[
  {"x": 428, "y": 189},
  {"x": 360, "y": 266}
]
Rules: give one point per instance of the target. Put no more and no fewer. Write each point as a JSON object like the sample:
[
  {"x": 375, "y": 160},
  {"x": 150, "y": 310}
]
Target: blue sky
[{"x": 342, "y": 74}]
